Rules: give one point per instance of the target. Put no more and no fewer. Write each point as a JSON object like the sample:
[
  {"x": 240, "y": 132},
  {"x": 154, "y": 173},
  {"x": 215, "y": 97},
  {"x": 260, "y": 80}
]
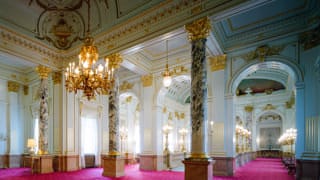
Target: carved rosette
[
  {"x": 114, "y": 120},
  {"x": 44, "y": 116},
  {"x": 198, "y": 31}
]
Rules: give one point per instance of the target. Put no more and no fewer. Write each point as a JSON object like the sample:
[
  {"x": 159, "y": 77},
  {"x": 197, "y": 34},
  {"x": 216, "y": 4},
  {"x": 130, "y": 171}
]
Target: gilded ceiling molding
[
  {"x": 147, "y": 80},
  {"x": 262, "y": 52},
  {"x": 25, "y": 90},
  {"x": 125, "y": 86},
  {"x": 198, "y": 29},
  {"x": 217, "y": 62},
  {"x": 13, "y": 86},
  {"x": 157, "y": 19},
  {"x": 57, "y": 76},
  {"x": 311, "y": 38},
  {"x": 248, "y": 108},
  {"x": 14, "y": 42},
  {"x": 43, "y": 71}
]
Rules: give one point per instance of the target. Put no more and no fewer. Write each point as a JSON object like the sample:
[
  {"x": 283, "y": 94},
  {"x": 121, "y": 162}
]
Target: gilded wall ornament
[
  {"x": 178, "y": 70},
  {"x": 147, "y": 80},
  {"x": 25, "y": 90},
  {"x": 262, "y": 52},
  {"x": 125, "y": 86},
  {"x": 217, "y": 62},
  {"x": 13, "y": 86},
  {"x": 248, "y": 108},
  {"x": 198, "y": 29},
  {"x": 269, "y": 107},
  {"x": 56, "y": 77}
]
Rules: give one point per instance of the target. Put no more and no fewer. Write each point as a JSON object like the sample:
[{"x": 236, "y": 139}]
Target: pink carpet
[{"x": 259, "y": 169}]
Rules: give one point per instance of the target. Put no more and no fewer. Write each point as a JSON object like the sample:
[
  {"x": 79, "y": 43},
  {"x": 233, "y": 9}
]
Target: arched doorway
[
  {"x": 129, "y": 116},
  {"x": 264, "y": 94},
  {"x": 175, "y": 117}
]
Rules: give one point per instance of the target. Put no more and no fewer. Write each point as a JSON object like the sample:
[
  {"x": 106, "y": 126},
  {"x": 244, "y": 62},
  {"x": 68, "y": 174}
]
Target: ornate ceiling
[{"x": 138, "y": 30}]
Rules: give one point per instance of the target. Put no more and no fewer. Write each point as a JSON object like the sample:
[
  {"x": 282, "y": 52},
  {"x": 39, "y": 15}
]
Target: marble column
[
  {"x": 44, "y": 117},
  {"x": 198, "y": 165},
  {"x": 114, "y": 120},
  {"x": 113, "y": 163}
]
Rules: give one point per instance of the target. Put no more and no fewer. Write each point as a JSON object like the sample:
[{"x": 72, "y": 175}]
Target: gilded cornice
[
  {"x": 262, "y": 52},
  {"x": 217, "y": 62},
  {"x": 13, "y": 41},
  {"x": 125, "y": 86},
  {"x": 198, "y": 29},
  {"x": 13, "y": 86},
  {"x": 147, "y": 80}
]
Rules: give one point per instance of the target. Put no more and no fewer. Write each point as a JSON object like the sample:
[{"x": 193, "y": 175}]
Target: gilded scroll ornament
[
  {"x": 262, "y": 52},
  {"x": 198, "y": 29}
]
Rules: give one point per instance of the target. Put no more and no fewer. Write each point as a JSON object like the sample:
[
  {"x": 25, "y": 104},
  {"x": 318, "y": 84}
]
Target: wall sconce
[
  {"x": 211, "y": 127},
  {"x": 123, "y": 133}
]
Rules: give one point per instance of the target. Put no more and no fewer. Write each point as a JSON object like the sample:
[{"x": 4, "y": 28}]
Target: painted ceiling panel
[
  {"x": 259, "y": 86},
  {"x": 265, "y": 14}
]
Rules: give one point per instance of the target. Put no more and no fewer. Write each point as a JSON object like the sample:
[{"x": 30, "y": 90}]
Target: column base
[
  {"x": 113, "y": 166},
  {"x": 42, "y": 164},
  {"x": 198, "y": 169}
]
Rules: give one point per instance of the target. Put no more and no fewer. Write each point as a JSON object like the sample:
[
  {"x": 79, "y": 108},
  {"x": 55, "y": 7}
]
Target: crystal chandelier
[
  {"x": 167, "y": 79},
  {"x": 91, "y": 76}
]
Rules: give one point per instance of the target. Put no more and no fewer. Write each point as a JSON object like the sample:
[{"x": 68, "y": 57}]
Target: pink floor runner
[{"x": 259, "y": 169}]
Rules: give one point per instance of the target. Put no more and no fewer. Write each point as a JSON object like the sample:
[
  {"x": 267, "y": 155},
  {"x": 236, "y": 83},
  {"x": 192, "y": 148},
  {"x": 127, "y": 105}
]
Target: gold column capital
[
  {"x": 57, "y": 76},
  {"x": 147, "y": 80},
  {"x": 248, "y": 108},
  {"x": 114, "y": 60},
  {"x": 198, "y": 29},
  {"x": 43, "y": 71},
  {"x": 13, "y": 86},
  {"x": 26, "y": 90},
  {"x": 217, "y": 62}
]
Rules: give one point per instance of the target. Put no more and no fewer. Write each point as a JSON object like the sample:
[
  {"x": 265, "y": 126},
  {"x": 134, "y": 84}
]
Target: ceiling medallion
[{"x": 61, "y": 22}]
